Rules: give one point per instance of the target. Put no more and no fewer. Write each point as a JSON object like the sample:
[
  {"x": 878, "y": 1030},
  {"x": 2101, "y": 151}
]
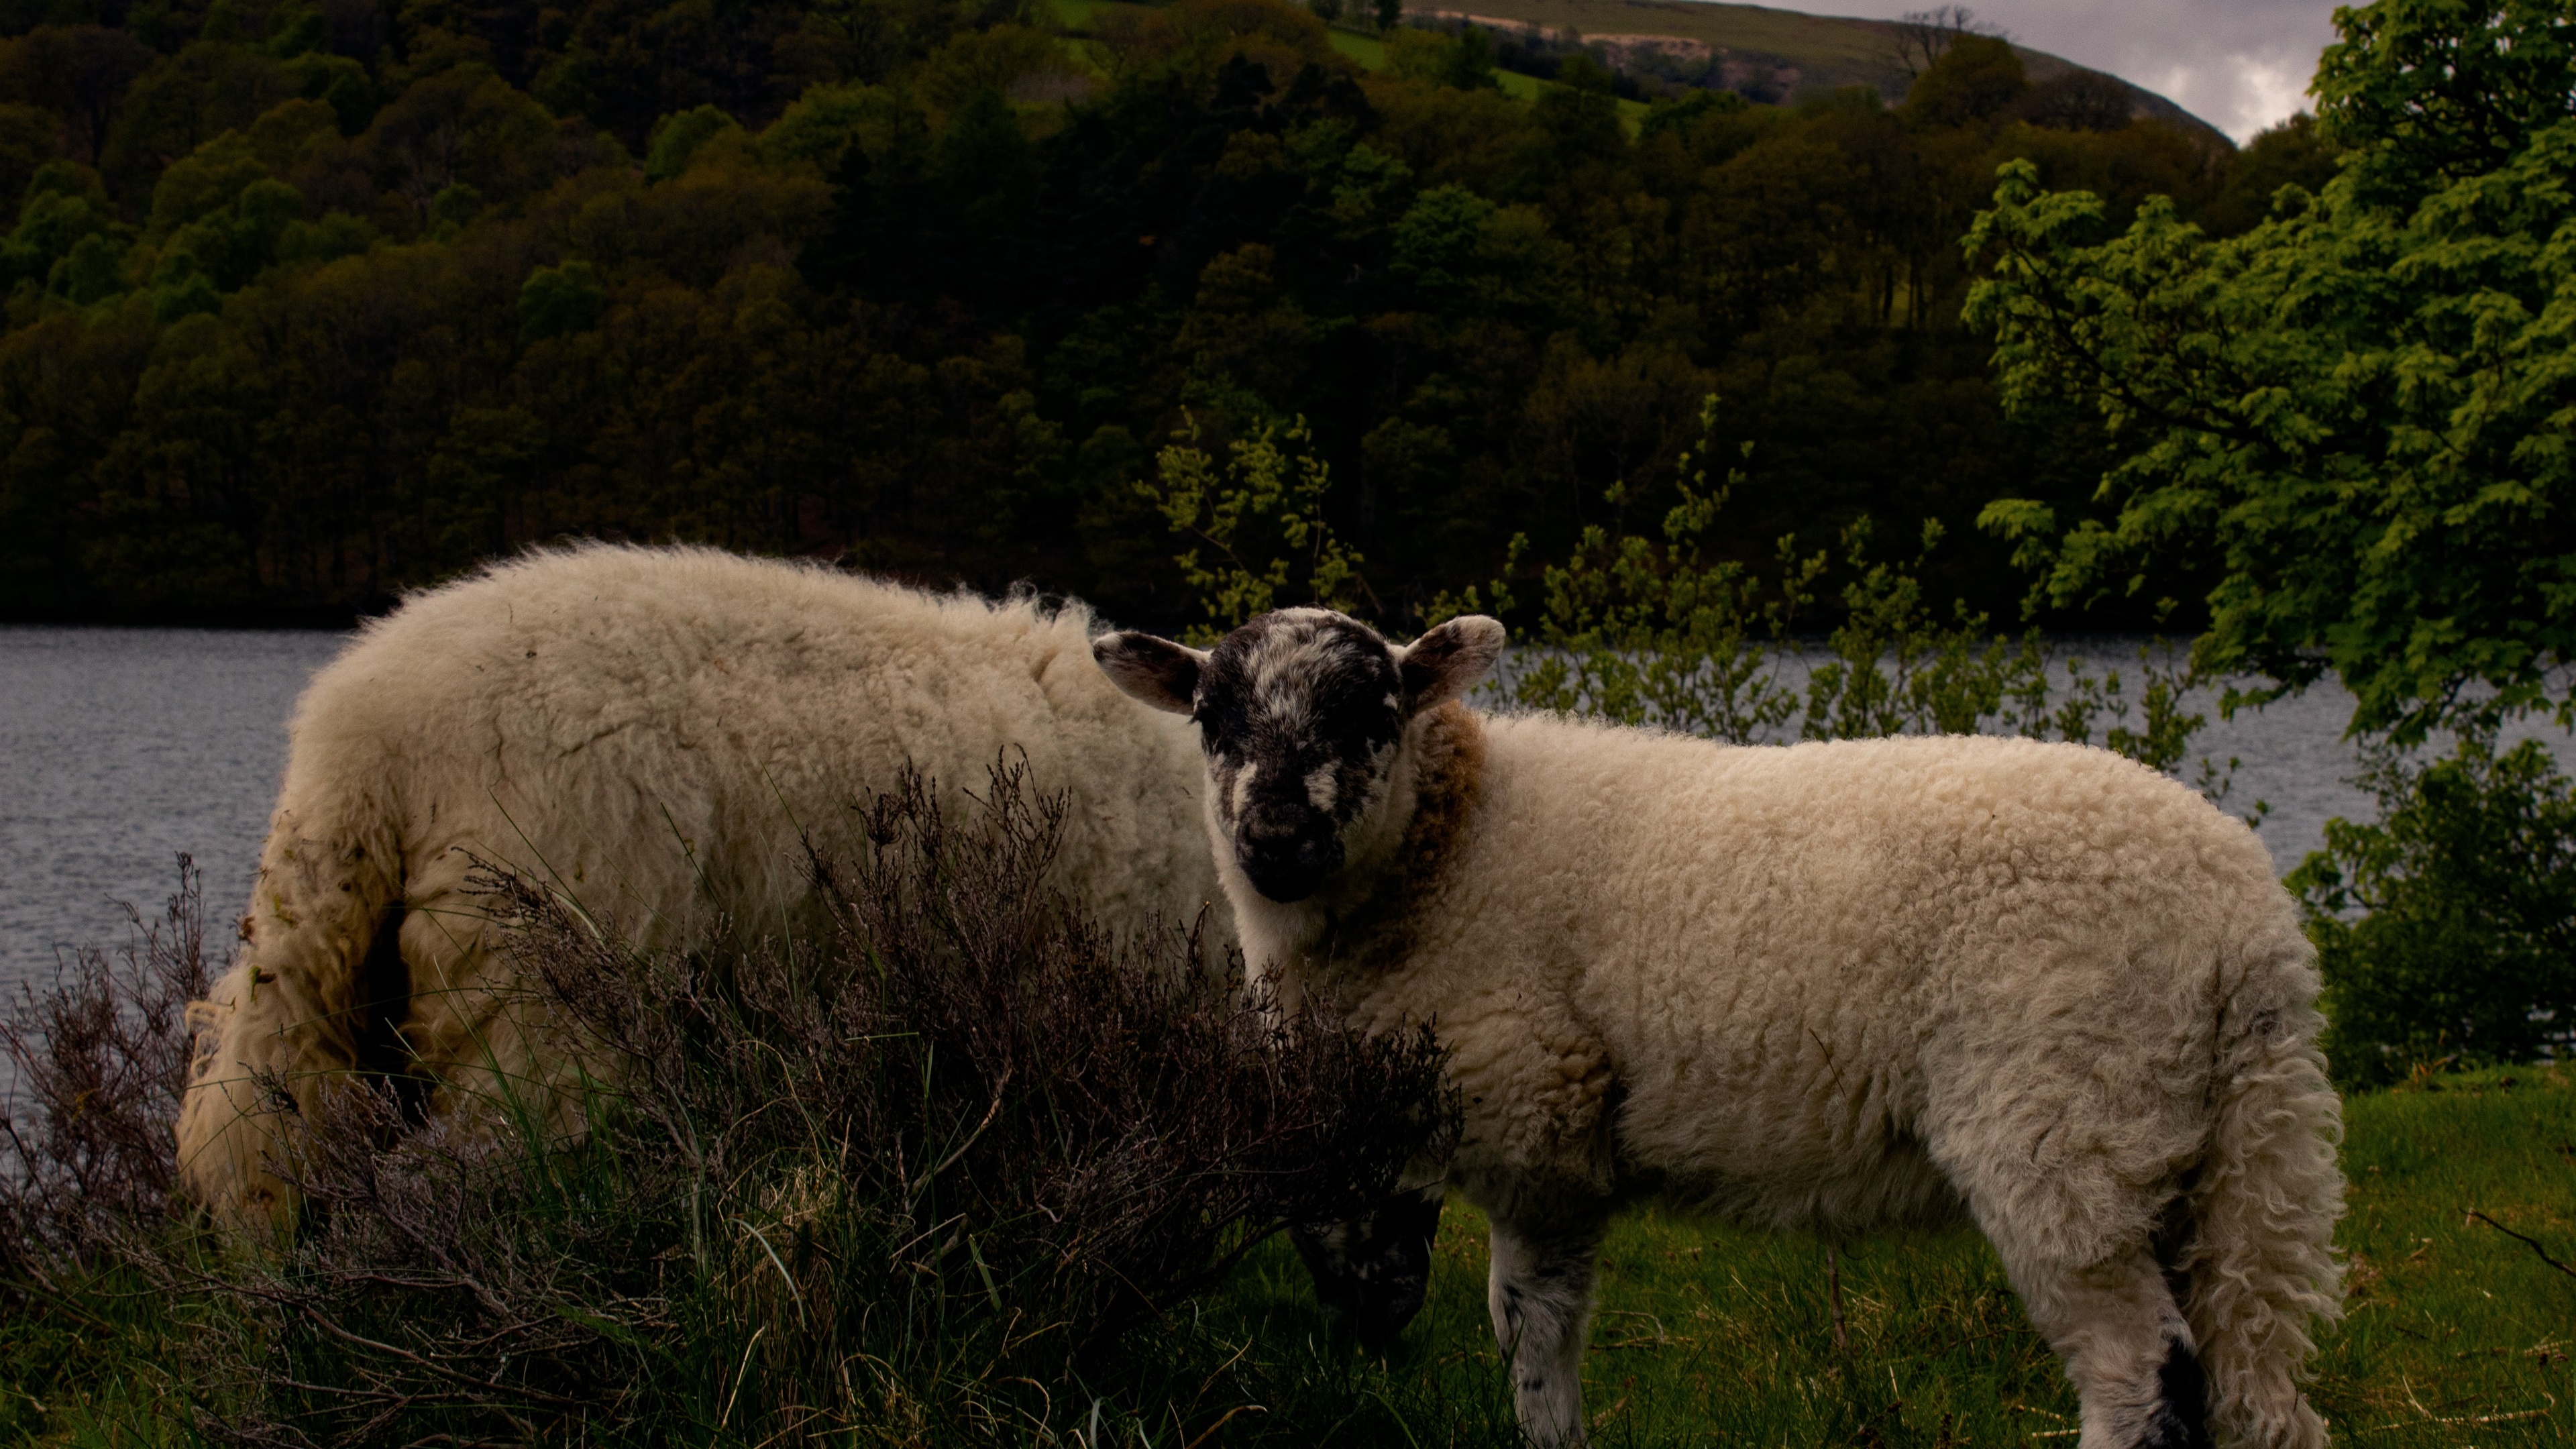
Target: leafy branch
[
  {"x": 1652, "y": 631},
  {"x": 1259, "y": 524}
]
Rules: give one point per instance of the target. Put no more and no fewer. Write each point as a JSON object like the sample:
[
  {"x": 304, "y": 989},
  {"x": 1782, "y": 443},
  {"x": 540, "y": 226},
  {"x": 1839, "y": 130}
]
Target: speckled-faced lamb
[
  {"x": 1831, "y": 985},
  {"x": 648, "y": 730}
]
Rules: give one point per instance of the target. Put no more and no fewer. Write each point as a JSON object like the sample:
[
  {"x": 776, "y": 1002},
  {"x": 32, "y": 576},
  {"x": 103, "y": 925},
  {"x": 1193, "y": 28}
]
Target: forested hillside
[{"x": 309, "y": 303}]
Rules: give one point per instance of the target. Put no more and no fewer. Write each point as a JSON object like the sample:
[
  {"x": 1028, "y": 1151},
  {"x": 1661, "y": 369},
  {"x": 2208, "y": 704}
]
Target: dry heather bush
[
  {"x": 94, "y": 1066},
  {"x": 905, "y": 1178},
  {"x": 99, "y": 1062}
]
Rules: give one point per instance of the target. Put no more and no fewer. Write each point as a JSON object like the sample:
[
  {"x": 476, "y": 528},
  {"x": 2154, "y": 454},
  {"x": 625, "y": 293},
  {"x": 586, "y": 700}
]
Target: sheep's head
[{"x": 1301, "y": 713}]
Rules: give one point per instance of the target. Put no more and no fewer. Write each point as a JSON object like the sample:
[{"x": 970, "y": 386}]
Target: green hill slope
[{"x": 1770, "y": 54}]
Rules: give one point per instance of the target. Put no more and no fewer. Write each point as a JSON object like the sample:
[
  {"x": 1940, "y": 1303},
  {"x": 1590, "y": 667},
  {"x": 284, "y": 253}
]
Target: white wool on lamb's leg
[{"x": 1539, "y": 1291}]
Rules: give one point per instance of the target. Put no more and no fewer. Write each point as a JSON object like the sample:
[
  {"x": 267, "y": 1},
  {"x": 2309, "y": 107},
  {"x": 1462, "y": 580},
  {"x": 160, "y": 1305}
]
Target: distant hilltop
[{"x": 1770, "y": 55}]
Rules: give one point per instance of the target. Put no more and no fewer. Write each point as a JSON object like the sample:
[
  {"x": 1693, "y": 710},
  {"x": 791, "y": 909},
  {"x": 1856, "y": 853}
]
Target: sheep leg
[
  {"x": 2126, "y": 1348},
  {"x": 1540, "y": 1294}
]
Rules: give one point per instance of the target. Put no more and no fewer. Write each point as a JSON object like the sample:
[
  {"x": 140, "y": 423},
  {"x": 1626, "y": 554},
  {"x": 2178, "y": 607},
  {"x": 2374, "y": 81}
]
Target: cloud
[
  {"x": 2240, "y": 65},
  {"x": 2239, "y": 93}
]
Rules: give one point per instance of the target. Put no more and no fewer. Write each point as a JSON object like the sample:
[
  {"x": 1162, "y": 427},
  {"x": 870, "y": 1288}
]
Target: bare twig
[
  {"x": 498, "y": 1391},
  {"x": 2527, "y": 1242},
  {"x": 990, "y": 1112}
]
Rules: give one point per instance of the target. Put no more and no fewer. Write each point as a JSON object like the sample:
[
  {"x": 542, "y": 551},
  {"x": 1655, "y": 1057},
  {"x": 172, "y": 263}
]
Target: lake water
[{"x": 120, "y": 748}]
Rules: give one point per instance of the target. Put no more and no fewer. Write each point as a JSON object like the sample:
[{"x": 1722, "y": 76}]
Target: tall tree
[{"x": 2360, "y": 415}]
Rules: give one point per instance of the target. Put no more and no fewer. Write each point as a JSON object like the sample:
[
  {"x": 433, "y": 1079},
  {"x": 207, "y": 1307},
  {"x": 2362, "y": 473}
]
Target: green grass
[
  {"x": 96, "y": 1371},
  {"x": 1832, "y": 50},
  {"x": 1370, "y": 52},
  {"x": 1074, "y": 14},
  {"x": 2450, "y": 1318},
  {"x": 2457, "y": 1333},
  {"x": 1826, "y": 51}
]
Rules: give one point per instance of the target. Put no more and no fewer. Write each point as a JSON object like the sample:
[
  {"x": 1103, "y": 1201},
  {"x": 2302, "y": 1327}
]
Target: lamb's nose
[{"x": 1288, "y": 866}]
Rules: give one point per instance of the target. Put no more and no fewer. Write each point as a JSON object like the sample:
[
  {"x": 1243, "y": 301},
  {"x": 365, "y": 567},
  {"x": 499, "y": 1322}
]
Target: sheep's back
[
  {"x": 639, "y": 724},
  {"x": 1802, "y": 965}
]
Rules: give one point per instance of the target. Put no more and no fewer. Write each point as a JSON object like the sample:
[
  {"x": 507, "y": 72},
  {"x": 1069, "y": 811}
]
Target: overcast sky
[{"x": 2240, "y": 65}]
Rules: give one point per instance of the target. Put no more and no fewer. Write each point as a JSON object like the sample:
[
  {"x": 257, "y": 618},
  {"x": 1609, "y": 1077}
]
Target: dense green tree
[
  {"x": 79, "y": 73},
  {"x": 1976, "y": 78},
  {"x": 2436, "y": 91},
  {"x": 309, "y": 301},
  {"x": 557, "y": 301},
  {"x": 2355, "y": 415}
]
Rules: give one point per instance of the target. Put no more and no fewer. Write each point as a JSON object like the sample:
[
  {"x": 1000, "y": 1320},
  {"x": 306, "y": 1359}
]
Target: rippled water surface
[{"x": 121, "y": 747}]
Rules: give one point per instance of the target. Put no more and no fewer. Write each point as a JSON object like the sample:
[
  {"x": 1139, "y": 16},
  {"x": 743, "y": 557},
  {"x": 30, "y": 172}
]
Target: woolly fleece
[
  {"x": 1849, "y": 984},
  {"x": 648, "y": 730}
]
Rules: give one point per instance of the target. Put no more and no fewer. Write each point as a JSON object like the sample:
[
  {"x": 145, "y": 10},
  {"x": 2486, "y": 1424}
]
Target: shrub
[
  {"x": 100, "y": 1062},
  {"x": 1265, "y": 501},
  {"x": 1649, "y": 631},
  {"x": 86, "y": 1171},
  {"x": 2447, "y": 931},
  {"x": 906, "y": 1175}
]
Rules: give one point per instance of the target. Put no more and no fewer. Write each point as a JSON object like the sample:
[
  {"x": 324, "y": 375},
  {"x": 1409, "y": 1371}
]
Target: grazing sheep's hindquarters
[
  {"x": 650, "y": 731},
  {"x": 1833, "y": 985}
]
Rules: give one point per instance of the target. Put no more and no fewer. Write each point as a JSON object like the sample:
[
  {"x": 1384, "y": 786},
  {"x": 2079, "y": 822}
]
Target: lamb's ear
[
  {"x": 1447, "y": 662},
  {"x": 1157, "y": 671}
]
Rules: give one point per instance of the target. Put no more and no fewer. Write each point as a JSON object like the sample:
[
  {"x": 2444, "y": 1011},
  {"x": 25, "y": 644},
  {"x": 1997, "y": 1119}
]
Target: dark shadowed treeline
[{"x": 311, "y": 303}]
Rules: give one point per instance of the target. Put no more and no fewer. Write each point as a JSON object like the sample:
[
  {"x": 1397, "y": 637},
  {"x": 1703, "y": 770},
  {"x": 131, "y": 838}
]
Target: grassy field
[
  {"x": 1830, "y": 50},
  {"x": 1824, "y": 51},
  {"x": 2458, "y": 1334},
  {"x": 1370, "y": 52},
  {"x": 1827, "y": 51}
]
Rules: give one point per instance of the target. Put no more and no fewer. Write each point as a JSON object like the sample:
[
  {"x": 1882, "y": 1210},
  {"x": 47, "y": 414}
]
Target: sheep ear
[
  {"x": 1156, "y": 671},
  {"x": 1447, "y": 662}
]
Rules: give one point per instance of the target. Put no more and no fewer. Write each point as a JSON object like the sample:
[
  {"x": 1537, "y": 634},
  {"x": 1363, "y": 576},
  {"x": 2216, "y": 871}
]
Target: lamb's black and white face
[{"x": 1301, "y": 713}]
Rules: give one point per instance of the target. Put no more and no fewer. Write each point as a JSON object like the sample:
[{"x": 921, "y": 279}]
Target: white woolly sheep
[
  {"x": 648, "y": 730},
  {"x": 1833, "y": 986}
]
